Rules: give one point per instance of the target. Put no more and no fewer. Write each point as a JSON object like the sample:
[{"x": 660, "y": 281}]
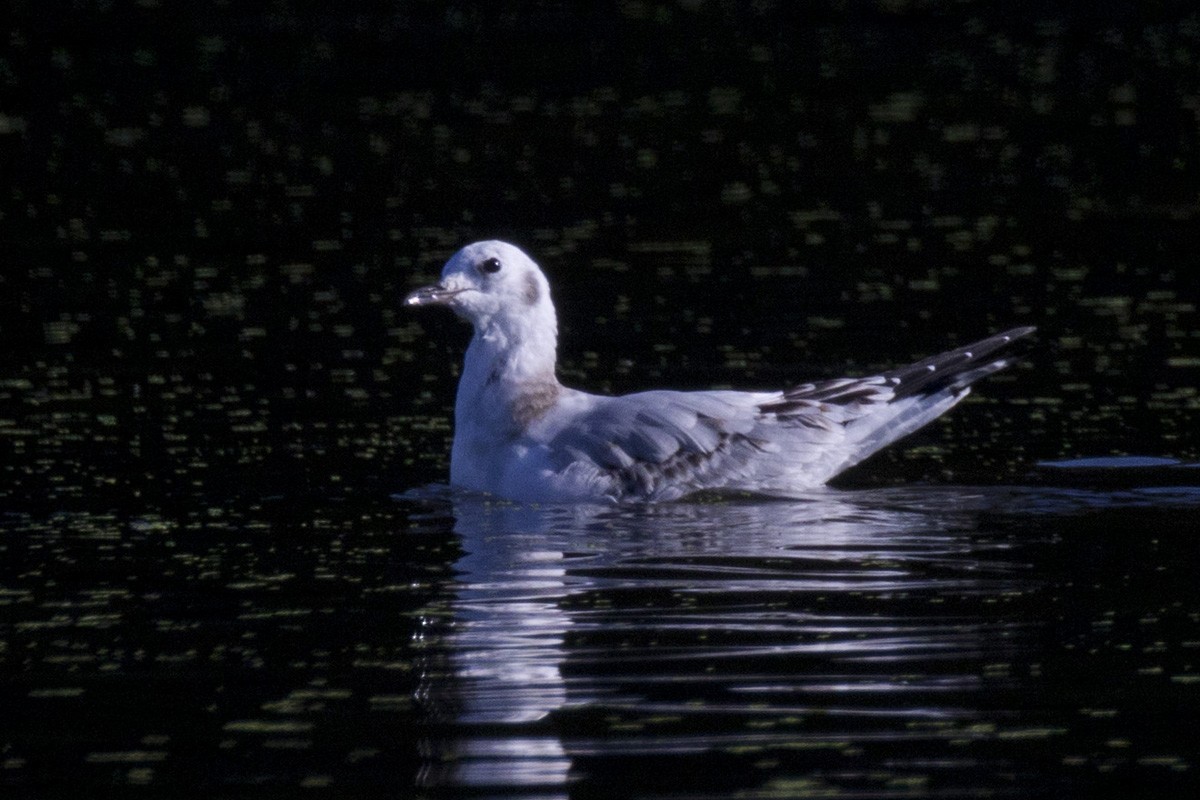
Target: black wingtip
[
  {"x": 958, "y": 368},
  {"x": 1018, "y": 333}
]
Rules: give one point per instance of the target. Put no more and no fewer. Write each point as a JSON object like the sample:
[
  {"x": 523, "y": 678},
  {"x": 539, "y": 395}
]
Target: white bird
[{"x": 522, "y": 435}]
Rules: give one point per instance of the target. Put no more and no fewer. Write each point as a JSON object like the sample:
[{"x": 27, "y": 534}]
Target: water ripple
[{"x": 838, "y": 621}]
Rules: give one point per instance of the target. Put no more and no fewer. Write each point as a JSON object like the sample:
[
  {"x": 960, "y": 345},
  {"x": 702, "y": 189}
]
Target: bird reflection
[
  {"x": 505, "y": 651},
  {"x": 706, "y": 615}
]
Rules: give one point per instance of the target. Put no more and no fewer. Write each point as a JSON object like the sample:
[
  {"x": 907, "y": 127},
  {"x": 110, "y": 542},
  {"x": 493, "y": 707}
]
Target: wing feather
[
  {"x": 661, "y": 445},
  {"x": 664, "y": 444}
]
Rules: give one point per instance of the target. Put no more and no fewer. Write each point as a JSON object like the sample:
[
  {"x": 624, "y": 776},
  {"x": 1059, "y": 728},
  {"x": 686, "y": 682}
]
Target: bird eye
[{"x": 491, "y": 265}]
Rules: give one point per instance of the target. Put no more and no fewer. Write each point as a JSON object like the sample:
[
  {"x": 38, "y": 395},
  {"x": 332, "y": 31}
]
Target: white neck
[{"x": 510, "y": 357}]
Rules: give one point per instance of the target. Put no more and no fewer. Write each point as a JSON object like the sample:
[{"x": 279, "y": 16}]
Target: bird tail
[{"x": 926, "y": 389}]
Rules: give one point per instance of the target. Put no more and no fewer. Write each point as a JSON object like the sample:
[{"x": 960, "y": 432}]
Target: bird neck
[{"x": 508, "y": 362}]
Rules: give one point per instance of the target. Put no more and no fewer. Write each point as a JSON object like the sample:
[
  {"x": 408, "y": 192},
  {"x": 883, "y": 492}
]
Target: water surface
[
  {"x": 899, "y": 643},
  {"x": 925, "y": 641}
]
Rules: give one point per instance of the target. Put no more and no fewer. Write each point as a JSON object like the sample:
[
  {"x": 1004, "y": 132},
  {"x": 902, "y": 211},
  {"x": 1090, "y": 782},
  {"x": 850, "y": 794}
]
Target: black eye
[{"x": 491, "y": 265}]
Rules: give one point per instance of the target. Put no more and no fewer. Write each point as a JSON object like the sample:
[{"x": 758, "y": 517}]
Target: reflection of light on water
[
  {"x": 505, "y": 761},
  {"x": 529, "y": 577},
  {"x": 507, "y": 641},
  {"x": 505, "y": 652},
  {"x": 507, "y": 656},
  {"x": 845, "y": 621}
]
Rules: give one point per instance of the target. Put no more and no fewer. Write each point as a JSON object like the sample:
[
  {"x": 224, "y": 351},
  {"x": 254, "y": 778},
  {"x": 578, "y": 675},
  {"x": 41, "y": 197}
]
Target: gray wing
[
  {"x": 871, "y": 413},
  {"x": 661, "y": 445}
]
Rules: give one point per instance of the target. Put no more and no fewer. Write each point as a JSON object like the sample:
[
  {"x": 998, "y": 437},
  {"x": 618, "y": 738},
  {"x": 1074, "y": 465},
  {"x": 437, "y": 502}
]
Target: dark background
[
  {"x": 211, "y": 210},
  {"x": 209, "y": 214}
]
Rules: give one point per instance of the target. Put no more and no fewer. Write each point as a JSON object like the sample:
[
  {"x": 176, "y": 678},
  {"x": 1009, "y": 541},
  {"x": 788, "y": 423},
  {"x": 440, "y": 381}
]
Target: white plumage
[{"x": 522, "y": 435}]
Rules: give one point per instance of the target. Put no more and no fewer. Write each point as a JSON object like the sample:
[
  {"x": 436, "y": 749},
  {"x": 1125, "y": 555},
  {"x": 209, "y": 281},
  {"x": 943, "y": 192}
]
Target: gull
[{"x": 519, "y": 434}]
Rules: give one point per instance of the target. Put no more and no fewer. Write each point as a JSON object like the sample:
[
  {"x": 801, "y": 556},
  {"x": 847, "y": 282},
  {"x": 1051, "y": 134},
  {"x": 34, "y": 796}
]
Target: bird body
[{"x": 522, "y": 435}]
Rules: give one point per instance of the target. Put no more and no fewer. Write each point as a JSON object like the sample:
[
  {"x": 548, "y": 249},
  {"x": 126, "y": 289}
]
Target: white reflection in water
[
  {"x": 506, "y": 654},
  {"x": 509, "y": 631},
  {"x": 781, "y": 606}
]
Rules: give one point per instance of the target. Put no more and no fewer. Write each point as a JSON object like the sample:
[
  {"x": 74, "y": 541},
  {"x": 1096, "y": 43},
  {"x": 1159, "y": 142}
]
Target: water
[
  {"x": 209, "y": 397},
  {"x": 908, "y": 642},
  {"x": 933, "y": 642}
]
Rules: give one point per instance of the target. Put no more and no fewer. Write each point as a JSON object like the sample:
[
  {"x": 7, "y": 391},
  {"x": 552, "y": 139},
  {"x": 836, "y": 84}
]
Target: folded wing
[{"x": 662, "y": 445}]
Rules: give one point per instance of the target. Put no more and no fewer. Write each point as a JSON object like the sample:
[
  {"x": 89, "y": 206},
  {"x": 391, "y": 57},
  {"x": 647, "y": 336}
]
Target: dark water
[
  {"x": 911, "y": 643},
  {"x": 209, "y": 396},
  {"x": 932, "y": 641}
]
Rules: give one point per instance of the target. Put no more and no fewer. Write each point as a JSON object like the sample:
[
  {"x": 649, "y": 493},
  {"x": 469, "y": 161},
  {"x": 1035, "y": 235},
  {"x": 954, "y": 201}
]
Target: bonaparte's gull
[{"x": 522, "y": 435}]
